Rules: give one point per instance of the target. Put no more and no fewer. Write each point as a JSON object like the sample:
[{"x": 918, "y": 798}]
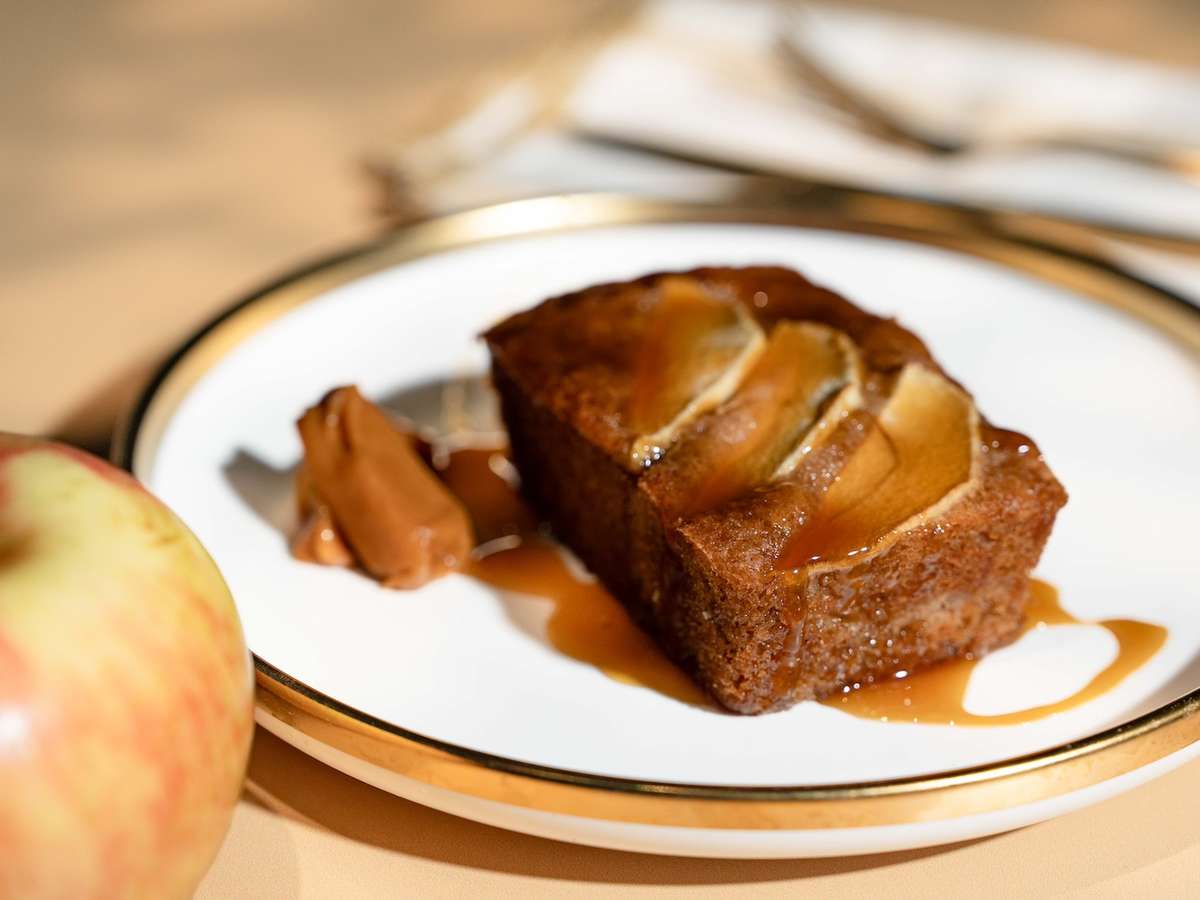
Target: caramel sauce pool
[
  {"x": 586, "y": 623},
  {"x": 935, "y": 696},
  {"x": 589, "y": 625}
]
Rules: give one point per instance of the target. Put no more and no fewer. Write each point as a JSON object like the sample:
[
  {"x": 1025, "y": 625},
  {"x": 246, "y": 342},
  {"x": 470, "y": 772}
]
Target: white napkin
[{"x": 703, "y": 77}]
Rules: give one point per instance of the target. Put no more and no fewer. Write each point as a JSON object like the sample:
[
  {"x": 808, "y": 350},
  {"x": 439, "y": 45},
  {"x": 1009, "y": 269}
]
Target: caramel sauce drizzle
[
  {"x": 688, "y": 344},
  {"x": 919, "y": 449},
  {"x": 589, "y": 625},
  {"x": 485, "y": 482},
  {"x": 586, "y": 624},
  {"x": 775, "y": 405},
  {"x": 690, "y": 358},
  {"x": 935, "y": 696}
]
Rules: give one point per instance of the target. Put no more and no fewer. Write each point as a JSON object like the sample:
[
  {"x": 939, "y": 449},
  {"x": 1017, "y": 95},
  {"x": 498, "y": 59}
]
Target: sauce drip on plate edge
[{"x": 935, "y": 696}]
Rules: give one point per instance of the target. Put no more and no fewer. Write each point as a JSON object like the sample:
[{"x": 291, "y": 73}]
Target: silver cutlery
[{"x": 870, "y": 117}]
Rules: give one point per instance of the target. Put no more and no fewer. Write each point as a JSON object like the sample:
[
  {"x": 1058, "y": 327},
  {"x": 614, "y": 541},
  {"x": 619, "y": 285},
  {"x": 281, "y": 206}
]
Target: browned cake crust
[{"x": 696, "y": 557}]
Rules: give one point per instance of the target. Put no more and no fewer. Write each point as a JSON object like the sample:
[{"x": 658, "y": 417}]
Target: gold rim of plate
[{"x": 987, "y": 788}]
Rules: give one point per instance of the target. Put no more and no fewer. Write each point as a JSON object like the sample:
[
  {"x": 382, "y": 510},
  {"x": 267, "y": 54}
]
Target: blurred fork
[{"x": 872, "y": 119}]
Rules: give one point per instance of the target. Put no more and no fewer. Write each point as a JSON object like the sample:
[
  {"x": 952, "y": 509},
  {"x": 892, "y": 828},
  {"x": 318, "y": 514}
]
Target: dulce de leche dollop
[{"x": 365, "y": 484}]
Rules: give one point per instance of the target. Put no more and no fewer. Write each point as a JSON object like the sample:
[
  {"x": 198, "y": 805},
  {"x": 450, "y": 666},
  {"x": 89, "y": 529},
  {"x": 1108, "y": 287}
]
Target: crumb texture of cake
[{"x": 785, "y": 490}]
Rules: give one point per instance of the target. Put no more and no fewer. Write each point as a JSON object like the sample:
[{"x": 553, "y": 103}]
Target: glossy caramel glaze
[
  {"x": 743, "y": 442},
  {"x": 317, "y": 539},
  {"x": 935, "y": 696},
  {"x": 693, "y": 543},
  {"x": 692, "y": 338},
  {"x": 484, "y": 481},
  {"x": 589, "y": 625},
  {"x": 918, "y": 450},
  {"x": 401, "y": 523},
  {"x": 586, "y": 623}
]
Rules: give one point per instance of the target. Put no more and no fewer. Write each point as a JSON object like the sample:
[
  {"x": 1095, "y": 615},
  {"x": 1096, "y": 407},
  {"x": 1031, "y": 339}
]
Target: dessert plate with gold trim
[{"x": 453, "y": 696}]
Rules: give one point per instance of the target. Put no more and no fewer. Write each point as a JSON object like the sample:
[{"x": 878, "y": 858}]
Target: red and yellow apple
[{"x": 126, "y": 691}]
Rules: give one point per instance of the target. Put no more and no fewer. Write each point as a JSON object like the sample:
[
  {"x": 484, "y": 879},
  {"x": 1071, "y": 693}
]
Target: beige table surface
[{"x": 158, "y": 159}]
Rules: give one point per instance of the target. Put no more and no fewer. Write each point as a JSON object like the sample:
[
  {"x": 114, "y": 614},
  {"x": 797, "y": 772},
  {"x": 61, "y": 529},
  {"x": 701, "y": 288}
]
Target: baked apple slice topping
[
  {"x": 695, "y": 351},
  {"x": 919, "y": 456},
  {"x": 744, "y": 441}
]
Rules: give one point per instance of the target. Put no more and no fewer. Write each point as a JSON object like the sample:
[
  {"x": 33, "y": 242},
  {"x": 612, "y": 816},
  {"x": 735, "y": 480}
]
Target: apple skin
[{"x": 126, "y": 690}]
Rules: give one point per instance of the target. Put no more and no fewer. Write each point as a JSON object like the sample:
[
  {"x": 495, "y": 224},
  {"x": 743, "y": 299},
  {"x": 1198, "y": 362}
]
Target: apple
[{"x": 126, "y": 691}]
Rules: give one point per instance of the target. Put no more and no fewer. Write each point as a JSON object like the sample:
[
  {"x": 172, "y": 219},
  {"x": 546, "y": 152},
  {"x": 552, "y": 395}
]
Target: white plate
[{"x": 1113, "y": 402}]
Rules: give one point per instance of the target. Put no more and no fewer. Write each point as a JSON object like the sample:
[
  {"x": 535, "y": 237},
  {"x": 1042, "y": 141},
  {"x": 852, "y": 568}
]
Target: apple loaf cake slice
[{"x": 785, "y": 490}]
